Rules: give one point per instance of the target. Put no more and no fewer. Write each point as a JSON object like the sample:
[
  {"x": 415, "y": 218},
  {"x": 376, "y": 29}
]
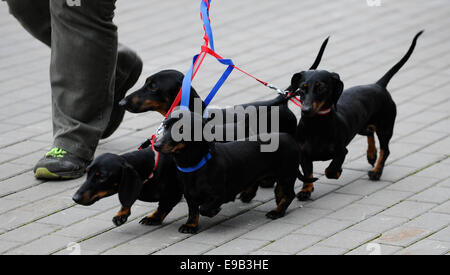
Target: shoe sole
[
  {"x": 129, "y": 83},
  {"x": 45, "y": 174}
]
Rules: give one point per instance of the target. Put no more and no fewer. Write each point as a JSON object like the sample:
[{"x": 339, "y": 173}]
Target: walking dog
[
  {"x": 331, "y": 118},
  {"x": 214, "y": 173},
  {"x": 133, "y": 176}
]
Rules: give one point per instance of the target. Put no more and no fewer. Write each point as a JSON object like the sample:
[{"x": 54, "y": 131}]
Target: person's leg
[
  {"x": 34, "y": 15},
  {"x": 82, "y": 69}
]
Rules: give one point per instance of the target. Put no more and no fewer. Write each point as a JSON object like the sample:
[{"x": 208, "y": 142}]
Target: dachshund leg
[
  {"x": 156, "y": 218},
  {"x": 248, "y": 195},
  {"x": 191, "y": 226},
  {"x": 384, "y": 137},
  {"x": 122, "y": 216},
  {"x": 308, "y": 187},
  {"x": 284, "y": 194}
]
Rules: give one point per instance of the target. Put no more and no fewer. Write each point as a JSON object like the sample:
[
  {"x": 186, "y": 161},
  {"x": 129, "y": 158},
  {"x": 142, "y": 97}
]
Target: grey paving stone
[
  {"x": 438, "y": 171},
  {"x": 238, "y": 246},
  {"x": 356, "y": 212},
  {"x": 374, "y": 249},
  {"x": 433, "y": 195},
  {"x": 347, "y": 177},
  {"x": 218, "y": 235},
  {"x": 292, "y": 243},
  {"x": 42, "y": 246},
  {"x": 408, "y": 209},
  {"x": 9, "y": 170},
  {"x": 185, "y": 248},
  {"x": 348, "y": 239},
  {"x": 324, "y": 227},
  {"x": 267, "y": 252},
  {"x": 270, "y": 231},
  {"x": 379, "y": 223},
  {"x": 395, "y": 173},
  {"x": 431, "y": 221},
  {"x": 322, "y": 250},
  {"x": 443, "y": 235},
  {"x": 426, "y": 247},
  {"x": 403, "y": 236},
  {"x": 104, "y": 241},
  {"x": 362, "y": 187},
  {"x": 413, "y": 184},
  {"x": 28, "y": 232},
  {"x": 418, "y": 160},
  {"x": 151, "y": 242},
  {"x": 334, "y": 201},
  {"x": 386, "y": 197},
  {"x": 250, "y": 220},
  {"x": 68, "y": 216},
  {"x": 443, "y": 208},
  {"x": 85, "y": 228},
  {"x": 7, "y": 205},
  {"x": 7, "y": 245},
  {"x": 303, "y": 215},
  {"x": 445, "y": 183}
]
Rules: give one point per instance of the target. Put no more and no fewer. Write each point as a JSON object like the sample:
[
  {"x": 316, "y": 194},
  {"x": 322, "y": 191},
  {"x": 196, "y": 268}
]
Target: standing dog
[
  {"x": 214, "y": 173},
  {"x": 331, "y": 119},
  {"x": 133, "y": 176}
]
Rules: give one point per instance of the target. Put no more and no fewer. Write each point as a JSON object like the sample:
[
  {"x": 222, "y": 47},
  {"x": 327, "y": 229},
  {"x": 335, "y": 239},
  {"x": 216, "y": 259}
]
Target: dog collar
[
  {"x": 196, "y": 167},
  {"x": 299, "y": 103},
  {"x": 324, "y": 112}
]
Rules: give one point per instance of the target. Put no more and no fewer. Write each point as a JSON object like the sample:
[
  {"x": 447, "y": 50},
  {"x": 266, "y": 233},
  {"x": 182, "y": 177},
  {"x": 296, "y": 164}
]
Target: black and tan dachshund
[
  {"x": 215, "y": 173},
  {"x": 134, "y": 177},
  {"x": 161, "y": 89},
  {"x": 332, "y": 117}
]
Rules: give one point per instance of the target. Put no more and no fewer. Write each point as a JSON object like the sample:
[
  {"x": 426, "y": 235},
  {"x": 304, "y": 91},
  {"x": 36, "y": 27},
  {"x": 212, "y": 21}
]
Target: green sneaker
[{"x": 58, "y": 164}]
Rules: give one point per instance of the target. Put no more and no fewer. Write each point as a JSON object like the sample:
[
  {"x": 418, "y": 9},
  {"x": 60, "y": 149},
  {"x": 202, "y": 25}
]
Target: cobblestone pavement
[{"x": 407, "y": 212}]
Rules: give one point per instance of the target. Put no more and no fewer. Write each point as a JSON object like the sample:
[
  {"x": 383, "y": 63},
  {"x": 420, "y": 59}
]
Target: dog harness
[{"x": 147, "y": 144}]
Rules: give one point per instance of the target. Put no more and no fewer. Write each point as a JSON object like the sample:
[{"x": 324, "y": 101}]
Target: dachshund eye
[
  {"x": 153, "y": 87},
  {"x": 303, "y": 87}
]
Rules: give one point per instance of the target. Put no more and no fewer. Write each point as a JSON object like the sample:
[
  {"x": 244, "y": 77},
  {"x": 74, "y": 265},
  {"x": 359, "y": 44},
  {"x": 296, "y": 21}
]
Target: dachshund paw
[
  {"x": 188, "y": 229},
  {"x": 304, "y": 195},
  {"x": 330, "y": 174},
  {"x": 372, "y": 159},
  {"x": 246, "y": 197},
  {"x": 374, "y": 175},
  {"x": 275, "y": 214},
  {"x": 150, "y": 221},
  {"x": 209, "y": 212},
  {"x": 119, "y": 220},
  {"x": 267, "y": 183}
]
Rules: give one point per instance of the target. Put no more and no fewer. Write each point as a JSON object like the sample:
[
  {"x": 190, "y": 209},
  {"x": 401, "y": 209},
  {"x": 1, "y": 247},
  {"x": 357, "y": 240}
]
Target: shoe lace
[{"x": 56, "y": 153}]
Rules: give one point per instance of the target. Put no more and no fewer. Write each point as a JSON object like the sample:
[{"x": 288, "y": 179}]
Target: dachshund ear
[
  {"x": 338, "y": 87},
  {"x": 130, "y": 186},
  {"x": 295, "y": 81}
]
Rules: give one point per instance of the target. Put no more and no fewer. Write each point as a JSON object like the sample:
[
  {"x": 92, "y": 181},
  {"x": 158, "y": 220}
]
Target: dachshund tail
[
  {"x": 384, "y": 81},
  {"x": 319, "y": 56}
]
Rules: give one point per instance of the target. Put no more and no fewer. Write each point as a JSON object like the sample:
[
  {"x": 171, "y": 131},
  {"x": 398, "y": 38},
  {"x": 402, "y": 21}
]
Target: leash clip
[{"x": 273, "y": 87}]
